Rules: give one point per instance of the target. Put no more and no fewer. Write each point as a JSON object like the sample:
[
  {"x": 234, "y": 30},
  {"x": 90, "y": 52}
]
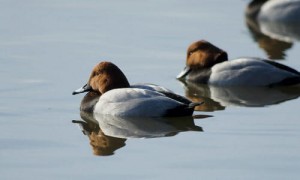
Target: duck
[
  {"x": 109, "y": 93},
  {"x": 277, "y": 19},
  {"x": 208, "y": 64},
  {"x": 275, "y": 10}
]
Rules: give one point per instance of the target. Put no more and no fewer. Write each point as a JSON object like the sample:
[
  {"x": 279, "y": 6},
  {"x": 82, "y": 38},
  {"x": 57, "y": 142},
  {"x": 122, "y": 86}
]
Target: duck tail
[{"x": 194, "y": 104}]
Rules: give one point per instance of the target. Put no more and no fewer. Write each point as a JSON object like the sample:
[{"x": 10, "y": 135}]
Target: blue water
[{"x": 48, "y": 49}]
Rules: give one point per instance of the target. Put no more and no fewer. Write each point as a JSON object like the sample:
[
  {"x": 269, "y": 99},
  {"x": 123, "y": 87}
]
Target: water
[{"x": 48, "y": 49}]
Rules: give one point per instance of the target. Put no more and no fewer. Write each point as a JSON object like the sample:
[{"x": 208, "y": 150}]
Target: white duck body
[
  {"x": 249, "y": 72},
  {"x": 136, "y": 102},
  {"x": 280, "y": 19},
  {"x": 151, "y": 87},
  {"x": 280, "y": 11}
]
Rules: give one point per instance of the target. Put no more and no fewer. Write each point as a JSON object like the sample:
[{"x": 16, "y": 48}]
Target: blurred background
[{"x": 48, "y": 48}]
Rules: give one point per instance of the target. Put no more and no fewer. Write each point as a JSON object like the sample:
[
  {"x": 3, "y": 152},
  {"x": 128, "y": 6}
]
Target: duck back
[
  {"x": 134, "y": 102},
  {"x": 251, "y": 72}
]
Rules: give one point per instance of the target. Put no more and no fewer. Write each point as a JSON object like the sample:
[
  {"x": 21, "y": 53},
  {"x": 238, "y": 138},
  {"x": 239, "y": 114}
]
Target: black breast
[
  {"x": 199, "y": 75},
  {"x": 89, "y": 101}
]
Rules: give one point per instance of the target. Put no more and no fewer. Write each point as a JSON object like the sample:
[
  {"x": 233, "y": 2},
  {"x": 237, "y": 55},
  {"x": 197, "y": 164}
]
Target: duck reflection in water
[
  {"x": 274, "y": 25},
  {"x": 102, "y": 145},
  {"x": 108, "y": 133},
  {"x": 274, "y": 48},
  {"x": 201, "y": 92},
  {"x": 218, "y": 98}
]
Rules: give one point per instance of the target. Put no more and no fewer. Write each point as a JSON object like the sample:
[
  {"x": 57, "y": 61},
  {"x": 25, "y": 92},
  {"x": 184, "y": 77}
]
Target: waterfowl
[
  {"x": 111, "y": 94},
  {"x": 207, "y": 64},
  {"x": 278, "y": 19},
  {"x": 275, "y": 10}
]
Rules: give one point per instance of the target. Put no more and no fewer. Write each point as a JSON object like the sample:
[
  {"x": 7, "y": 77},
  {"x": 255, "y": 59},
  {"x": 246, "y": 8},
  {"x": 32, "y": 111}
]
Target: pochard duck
[
  {"x": 207, "y": 64},
  {"x": 278, "y": 19},
  {"x": 275, "y": 10},
  {"x": 111, "y": 94}
]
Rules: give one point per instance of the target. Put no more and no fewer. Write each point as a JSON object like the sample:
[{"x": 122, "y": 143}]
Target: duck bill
[
  {"x": 83, "y": 89},
  {"x": 183, "y": 73}
]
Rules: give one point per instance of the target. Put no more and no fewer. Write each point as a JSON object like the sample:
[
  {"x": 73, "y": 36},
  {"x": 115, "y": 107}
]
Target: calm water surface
[{"x": 49, "y": 47}]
